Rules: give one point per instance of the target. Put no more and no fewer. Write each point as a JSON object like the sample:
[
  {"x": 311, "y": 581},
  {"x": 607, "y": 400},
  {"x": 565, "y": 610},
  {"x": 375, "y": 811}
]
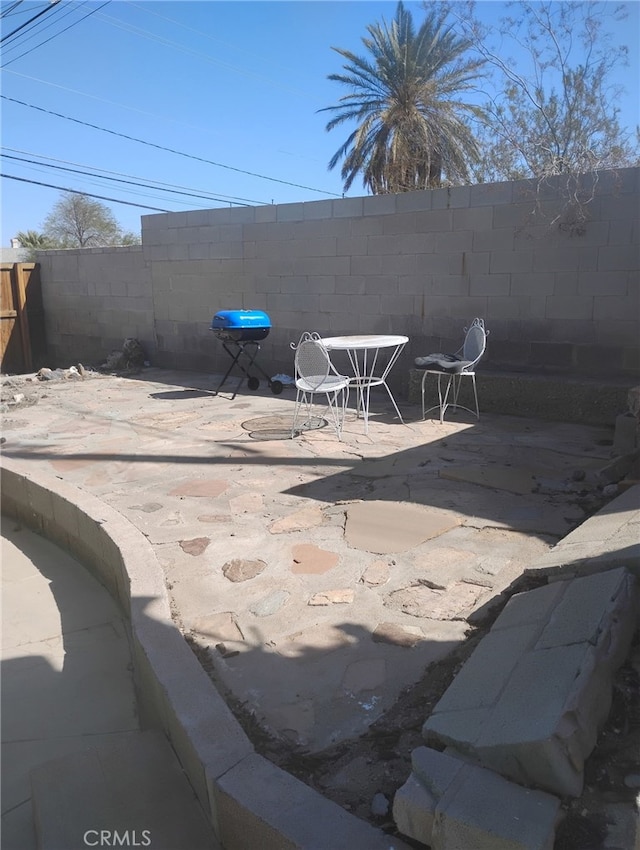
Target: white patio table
[{"x": 363, "y": 354}]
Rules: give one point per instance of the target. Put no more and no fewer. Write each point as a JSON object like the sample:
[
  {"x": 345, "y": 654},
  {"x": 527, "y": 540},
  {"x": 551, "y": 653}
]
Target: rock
[
  {"x": 633, "y": 401},
  {"x": 298, "y": 521},
  {"x": 225, "y": 652},
  {"x": 242, "y": 570},
  {"x": 610, "y": 491},
  {"x": 310, "y": 559},
  {"x": 421, "y": 601},
  {"x": 339, "y": 596},
  {"x": 270, "y": 604},
  {"x": 617, "y": 469},
  {"x": 131, "y": 358},
  {"x": 396, "y": 635},
  {"x": 376, "y": 574},
  {"x": 196, "y": 546},
  {"x": 390, "y": 527},
  {"x": 379, "y": 806}
]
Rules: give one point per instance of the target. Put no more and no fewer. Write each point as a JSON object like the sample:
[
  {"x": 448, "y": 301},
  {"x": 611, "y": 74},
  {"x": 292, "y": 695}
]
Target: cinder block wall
[
  {"x": 420, "y": 263},
  {"x": 93, "y": 299}
]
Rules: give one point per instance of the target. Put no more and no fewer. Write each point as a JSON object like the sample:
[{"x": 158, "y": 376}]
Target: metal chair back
[
  {"x": 475, "y": 343},
  {"x": 312, "y": 363}
]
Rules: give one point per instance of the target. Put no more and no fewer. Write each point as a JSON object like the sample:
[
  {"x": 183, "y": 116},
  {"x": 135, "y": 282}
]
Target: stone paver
[
  {"x": 351, "y": 525},
  {"x": 450, "y": 804}
]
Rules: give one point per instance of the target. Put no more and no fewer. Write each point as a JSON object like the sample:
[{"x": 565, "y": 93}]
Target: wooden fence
[{"x": 22, "y": 334}]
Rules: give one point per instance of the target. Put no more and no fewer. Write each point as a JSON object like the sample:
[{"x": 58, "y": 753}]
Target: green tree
[
  {"x": 77, "y": 221},
  {"x": 412, "y": 131}
]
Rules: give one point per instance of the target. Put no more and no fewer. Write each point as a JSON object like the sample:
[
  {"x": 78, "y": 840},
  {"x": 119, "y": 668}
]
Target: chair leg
[
  {"x": 475, "y": 394},
  {"x": 443, "y": 403},
  {"x": 337, "y": 406},
  {"x": 296, "y": 411}
]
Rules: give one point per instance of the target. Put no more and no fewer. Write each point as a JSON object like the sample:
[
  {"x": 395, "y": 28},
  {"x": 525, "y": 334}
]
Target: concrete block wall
[
  {"x": 421, "y": 263},
  {"x": 93, "y": 299}
]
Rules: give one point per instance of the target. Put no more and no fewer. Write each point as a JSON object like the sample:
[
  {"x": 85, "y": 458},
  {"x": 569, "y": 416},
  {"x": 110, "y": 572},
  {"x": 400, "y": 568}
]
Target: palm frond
[{"x": 413, "y": 127}]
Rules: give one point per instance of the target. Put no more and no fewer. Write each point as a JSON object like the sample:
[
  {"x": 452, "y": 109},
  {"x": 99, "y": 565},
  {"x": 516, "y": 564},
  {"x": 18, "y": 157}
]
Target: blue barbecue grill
[{"x": 241, "y": 332}]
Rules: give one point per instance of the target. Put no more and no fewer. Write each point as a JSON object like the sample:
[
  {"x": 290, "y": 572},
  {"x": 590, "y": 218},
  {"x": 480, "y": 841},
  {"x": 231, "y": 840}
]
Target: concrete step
[
  {"x": 531, "y": 699},
  {"x": 129, "y": 793},
  {"x": 564, "y": 398}
]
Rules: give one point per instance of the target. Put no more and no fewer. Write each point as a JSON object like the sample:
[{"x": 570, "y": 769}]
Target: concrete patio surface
[
  {"x": 321, "y": 577},
  {"x": 67, "y": 680}
]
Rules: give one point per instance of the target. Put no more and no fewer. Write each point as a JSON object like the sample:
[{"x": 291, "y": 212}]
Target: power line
[
  {"x": 55, "y": 35},
  {"x": 7, "y": 12},
  {"x": 148, "y": 34},
  {"x": 42, "y": 25},
  {"x": 78, "y": 192},
  {"x": 177, "y": 190},
  {"x": 44, "y": 11},
  {"x": 169, "y": 150},
  {"x": 183, "y": 124},
  {"x": 39, "y": 28},
  {"x": 158, "y": 183}
]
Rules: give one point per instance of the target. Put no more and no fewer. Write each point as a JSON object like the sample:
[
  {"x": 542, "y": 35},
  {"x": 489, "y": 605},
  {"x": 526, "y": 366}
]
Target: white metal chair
[
  {"x": 455, "y": 367},
  {"x": 315, "y": 374}
]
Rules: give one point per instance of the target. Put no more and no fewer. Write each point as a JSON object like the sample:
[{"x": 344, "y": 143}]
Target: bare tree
[{"x": 551, "y": 111}]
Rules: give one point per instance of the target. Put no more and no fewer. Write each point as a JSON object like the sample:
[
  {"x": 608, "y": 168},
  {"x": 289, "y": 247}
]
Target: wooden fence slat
[
  {"x": 22, "y": 325},
  {"x": 21, "y": 301}
]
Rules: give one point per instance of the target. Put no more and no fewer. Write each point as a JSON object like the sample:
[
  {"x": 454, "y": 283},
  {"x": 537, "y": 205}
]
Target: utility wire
[
  {"x": 170, "y": 150},
  {"x": 39, "y": 28},
  {"x": 142, "y": 33},
  {"x": 156, "y": 183},
  {"x": 78, "y": 192},
  {"x": 183, "y": 124},
  {"x": 55, "y": 35},
  {"x": 44, "y": 11},
  {"x": 7, "y": 12},
  {"x": 186, "y": 192}
]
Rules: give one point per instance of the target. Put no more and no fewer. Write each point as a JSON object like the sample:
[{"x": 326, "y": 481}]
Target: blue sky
[{"x": 238, "y": 83}]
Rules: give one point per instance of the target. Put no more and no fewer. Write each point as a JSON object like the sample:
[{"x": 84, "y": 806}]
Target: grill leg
[{"x": 240, "y": 352}]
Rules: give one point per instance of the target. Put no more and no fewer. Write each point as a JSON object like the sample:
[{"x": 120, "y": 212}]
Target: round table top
[{"x": 364, "y": 341}]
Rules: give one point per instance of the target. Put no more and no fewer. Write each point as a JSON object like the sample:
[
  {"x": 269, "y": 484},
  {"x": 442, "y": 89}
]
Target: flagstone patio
[{"x": 321, "y": 577}]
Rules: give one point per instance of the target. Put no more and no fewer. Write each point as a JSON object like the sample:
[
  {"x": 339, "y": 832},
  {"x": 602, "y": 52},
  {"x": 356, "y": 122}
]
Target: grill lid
[{"x": 240, "y": 320}]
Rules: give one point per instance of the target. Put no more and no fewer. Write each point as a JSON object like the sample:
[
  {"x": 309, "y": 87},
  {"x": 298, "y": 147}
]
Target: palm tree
[
  {"x": 32, "y": 241},
  {"x": 412, "y": 130}
]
